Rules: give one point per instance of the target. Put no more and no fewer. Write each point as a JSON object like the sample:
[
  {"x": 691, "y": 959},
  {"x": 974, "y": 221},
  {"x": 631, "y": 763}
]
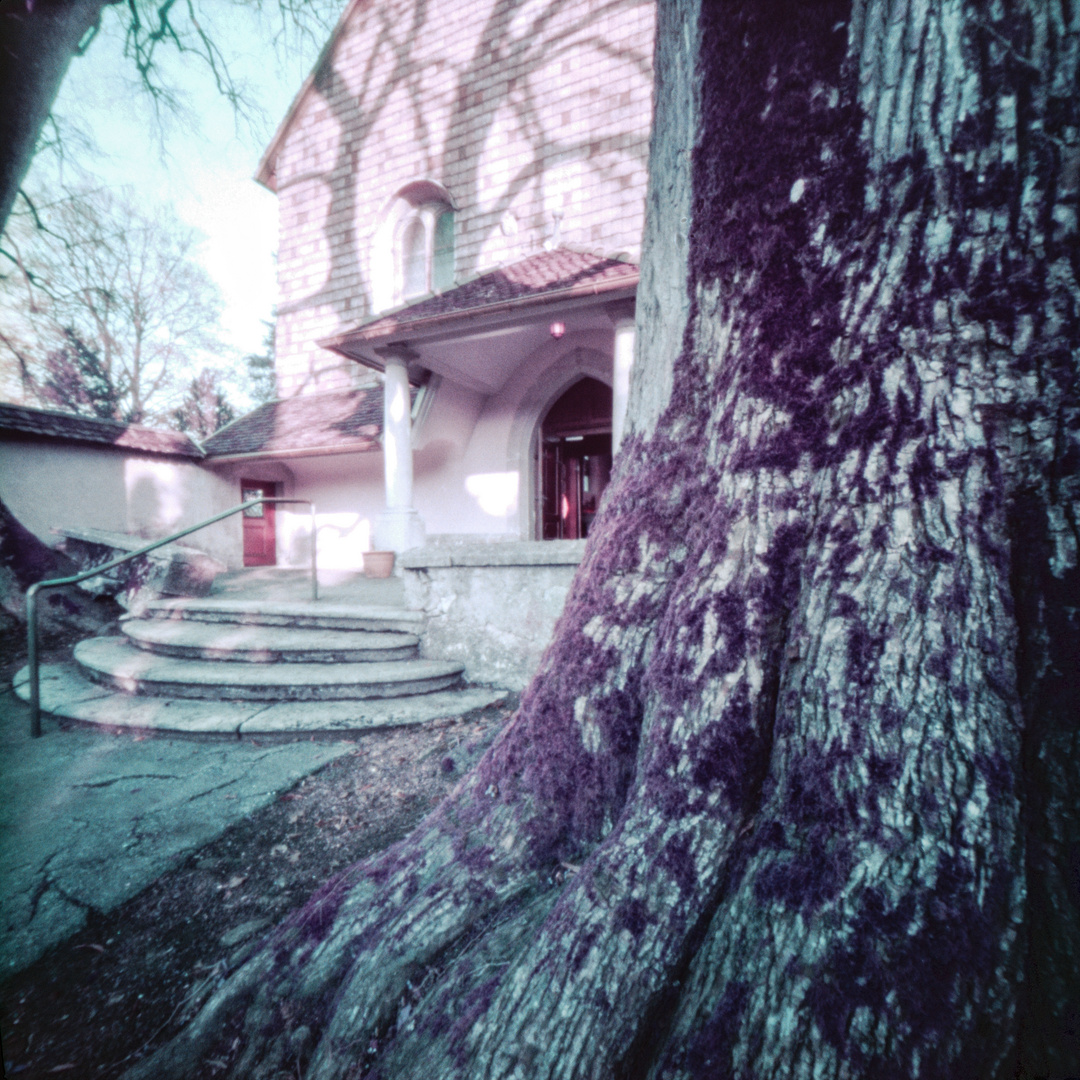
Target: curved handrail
[{"x": 31, "y": 593}]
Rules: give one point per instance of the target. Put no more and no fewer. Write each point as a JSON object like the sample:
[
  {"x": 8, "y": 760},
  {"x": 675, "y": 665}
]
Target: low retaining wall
[{"x": 491, "y": 606}]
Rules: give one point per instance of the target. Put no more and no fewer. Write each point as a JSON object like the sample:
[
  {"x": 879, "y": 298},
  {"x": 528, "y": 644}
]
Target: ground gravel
[{"x": 127, "y": 982}]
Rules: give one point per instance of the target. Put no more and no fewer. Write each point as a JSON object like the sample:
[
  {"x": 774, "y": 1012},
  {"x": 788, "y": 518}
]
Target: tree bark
[
  {"x": 794, "y": 791},
  {"x": 38, "y": 38}
]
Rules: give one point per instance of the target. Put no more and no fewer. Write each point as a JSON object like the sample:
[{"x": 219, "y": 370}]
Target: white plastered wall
[
  {"x": 49, "y": 485},
  {"x": 488, "y": 489},
  {"x": 347, "y": 490}
]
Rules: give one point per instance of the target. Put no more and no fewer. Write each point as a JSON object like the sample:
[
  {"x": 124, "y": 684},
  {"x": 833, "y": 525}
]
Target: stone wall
[
  {"x": 534, "y": 119},
  {"x": 492, "y": 606}
]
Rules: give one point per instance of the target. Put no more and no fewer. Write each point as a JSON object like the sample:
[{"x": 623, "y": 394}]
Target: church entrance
[{"x": 575, "y": 460}]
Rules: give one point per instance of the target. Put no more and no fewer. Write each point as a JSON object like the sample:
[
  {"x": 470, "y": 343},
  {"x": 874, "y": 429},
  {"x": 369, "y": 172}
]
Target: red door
[{"x": 260, "y": 547}]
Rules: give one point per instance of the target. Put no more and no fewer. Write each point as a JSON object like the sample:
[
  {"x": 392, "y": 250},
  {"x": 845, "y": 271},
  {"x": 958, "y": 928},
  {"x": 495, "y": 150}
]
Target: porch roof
[
  {"x": 51, "y": 424},
  {"x": 550, "y": 279},
  {"x": 335, "y": 422}
]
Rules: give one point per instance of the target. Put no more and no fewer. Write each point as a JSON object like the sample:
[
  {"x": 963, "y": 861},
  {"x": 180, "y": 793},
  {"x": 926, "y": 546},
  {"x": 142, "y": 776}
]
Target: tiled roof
[
  {"x": 546, "y": 276},
  {"x": 334, "y": 422},
  {"x": 49, "y": 424}
]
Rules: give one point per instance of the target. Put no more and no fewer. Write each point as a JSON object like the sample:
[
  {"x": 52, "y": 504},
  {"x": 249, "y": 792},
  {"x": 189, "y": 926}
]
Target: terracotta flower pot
[{"x": 378, "y": 564}]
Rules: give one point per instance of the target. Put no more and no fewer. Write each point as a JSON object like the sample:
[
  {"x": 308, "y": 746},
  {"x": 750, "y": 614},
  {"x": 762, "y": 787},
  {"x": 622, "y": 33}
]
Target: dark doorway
[
  {"x": 575, "y": 460},
  {"x": 260, "y": 543}
]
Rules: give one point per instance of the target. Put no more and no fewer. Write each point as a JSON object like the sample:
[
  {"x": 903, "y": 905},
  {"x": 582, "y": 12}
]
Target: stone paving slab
[
  {"x": 267, "y": 644},
  {"x": 65, "y": 692},
  {"x": 88, "y": 820},
  {"x": 114, "y": 662},
  {"x": 288, "y": 613}
]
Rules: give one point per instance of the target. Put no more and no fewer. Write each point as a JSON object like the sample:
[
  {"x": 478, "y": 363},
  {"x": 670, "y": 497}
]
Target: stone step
[
  {"x": 114, "y": 662},
  {"x": 67, "y": 693},
  {"x": 316, "y": 614},
  {"x": 188, "y": 639}
]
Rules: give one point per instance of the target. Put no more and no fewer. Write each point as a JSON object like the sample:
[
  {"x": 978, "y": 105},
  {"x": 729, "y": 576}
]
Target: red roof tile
[
  {"x": 50, "y": 424},
  {"x": 539, "y": 278},
  {"x": 336, "y": 422}
]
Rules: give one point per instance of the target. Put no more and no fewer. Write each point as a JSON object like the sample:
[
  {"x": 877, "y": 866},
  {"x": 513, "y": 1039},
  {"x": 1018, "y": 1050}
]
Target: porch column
[
  {"x": 622, "y": 315},
  {"x": 399, "y": 527}
]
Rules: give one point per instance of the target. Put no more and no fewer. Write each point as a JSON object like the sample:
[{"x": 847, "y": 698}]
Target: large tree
[
  {"x": 40, "y": 38},
  {"x": 795, "y": 790},
  {"x": 104, "y": 306}
]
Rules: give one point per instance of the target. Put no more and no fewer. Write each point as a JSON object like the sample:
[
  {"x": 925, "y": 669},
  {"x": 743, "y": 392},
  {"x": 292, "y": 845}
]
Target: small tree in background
[
  {"x": 73, "y": 379},
  {"x": 103, "y": 289},
  {"x": 205, "y": 407},
  {"x": 262, "y": 383}
]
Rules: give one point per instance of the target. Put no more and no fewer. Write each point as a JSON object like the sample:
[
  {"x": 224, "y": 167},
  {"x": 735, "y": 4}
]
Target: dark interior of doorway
[{"x": 575, "y": 460}]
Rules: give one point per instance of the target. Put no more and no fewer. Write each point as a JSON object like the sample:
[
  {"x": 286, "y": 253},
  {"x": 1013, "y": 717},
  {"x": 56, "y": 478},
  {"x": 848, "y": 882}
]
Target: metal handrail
[{"x": 31, "y": 593}]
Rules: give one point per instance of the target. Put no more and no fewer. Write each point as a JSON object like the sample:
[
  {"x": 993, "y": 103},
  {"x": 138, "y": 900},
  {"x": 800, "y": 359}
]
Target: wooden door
[
  {"x": 575, "y": 460},
  {"x": 260, "y": 542}
]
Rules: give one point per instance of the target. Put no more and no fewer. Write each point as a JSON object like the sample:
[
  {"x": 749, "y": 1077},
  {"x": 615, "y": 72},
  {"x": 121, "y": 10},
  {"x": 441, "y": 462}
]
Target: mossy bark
[{"x": 794, "y": 793}]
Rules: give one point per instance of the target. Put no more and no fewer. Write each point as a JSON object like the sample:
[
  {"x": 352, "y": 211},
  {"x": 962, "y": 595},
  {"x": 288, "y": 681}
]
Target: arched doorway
[{"x": 575, "y": 460}]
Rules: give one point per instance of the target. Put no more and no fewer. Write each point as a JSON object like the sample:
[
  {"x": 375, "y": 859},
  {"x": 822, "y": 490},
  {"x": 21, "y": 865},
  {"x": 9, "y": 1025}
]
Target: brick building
[{"x": 461, "y": 190}]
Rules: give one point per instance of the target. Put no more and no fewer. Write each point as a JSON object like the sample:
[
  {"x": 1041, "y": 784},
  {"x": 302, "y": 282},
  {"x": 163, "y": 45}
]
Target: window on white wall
[
  {"x": 424, "y": 251},
  {"x": 412, "y": 249}
]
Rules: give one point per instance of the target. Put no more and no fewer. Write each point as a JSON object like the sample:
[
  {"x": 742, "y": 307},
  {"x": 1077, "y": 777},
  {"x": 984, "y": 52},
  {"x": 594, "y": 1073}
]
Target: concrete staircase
[{"x": 254, "y": 658}]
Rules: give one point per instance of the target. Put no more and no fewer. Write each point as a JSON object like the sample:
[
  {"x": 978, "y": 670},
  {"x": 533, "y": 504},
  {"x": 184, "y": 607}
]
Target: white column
[
  {"x": 399, "y": 527},
  {"x": 623, "y": 318}
]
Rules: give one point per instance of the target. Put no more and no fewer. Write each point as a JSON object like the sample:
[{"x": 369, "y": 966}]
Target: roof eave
[
  {"x": 349, "y": 342},
  {"x": 266, "y": 173},
  {"x": 313, "y": 451}
]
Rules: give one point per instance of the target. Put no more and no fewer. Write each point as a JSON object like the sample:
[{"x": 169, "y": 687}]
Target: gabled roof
[
  {"x": 336, "y": 422},
  {"x": 51, "y": 424},
  {"x": 542, "y": 279},
  {"x": 266, "y": 173}
]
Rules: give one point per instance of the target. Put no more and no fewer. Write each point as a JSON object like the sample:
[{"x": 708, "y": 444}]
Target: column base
[{"x": 398, "y": 530}]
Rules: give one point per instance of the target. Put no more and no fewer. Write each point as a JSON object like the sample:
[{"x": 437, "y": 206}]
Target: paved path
[{"x": 88, "y": 820}]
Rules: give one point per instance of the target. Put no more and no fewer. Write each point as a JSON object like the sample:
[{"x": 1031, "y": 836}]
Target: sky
[{"x": 202, "y": 160}]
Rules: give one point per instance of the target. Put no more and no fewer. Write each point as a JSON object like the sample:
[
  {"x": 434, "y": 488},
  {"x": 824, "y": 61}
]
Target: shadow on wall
[
  {"x": 342, "y": 539},
  {"x": 532, "y": 43},
  {"x": 146, "y": 512}
]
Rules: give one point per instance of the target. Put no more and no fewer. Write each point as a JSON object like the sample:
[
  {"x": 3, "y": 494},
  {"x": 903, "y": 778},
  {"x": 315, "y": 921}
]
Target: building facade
[{"x": 461, "y": 191}]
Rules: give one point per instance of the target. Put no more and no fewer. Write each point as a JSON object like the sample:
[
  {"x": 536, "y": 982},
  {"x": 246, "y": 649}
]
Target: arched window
[
  {"x": 412, "y": 248},
  {"x": 424, "y": 252}
]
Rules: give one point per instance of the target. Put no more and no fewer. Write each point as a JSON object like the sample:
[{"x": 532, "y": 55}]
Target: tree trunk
[
  {"x": 794, "y": 792},
  {"x": 38, "y": 38}
]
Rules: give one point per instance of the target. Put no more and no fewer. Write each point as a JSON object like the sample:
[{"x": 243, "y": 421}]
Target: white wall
[
  {"x": 63, "y": 485},
  {"x": 474, "y": 462},
  {"x": 347, "y": 490}
]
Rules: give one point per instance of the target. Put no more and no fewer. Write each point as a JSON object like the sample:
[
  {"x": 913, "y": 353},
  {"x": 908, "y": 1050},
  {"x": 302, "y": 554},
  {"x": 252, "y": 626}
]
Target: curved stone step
[
  {"x": 193, "y": 640},
  {"x": 314, "y": 614},
  {"x": 114, "y": 662},
  {"x": 66, "y": 692}
]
